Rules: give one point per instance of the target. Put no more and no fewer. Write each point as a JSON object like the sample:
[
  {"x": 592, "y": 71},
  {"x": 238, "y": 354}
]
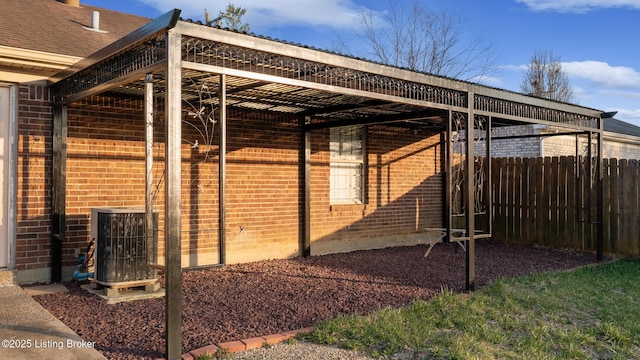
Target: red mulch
[{"x": 267, "y": 297}]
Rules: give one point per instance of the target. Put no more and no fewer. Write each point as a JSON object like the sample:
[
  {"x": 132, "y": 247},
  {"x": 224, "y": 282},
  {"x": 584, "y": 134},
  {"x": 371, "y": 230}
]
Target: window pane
[
  {"x": 346, "y": 143},
  {"x": 346, "y": 150},
  {"x": 346, "y": 183}
]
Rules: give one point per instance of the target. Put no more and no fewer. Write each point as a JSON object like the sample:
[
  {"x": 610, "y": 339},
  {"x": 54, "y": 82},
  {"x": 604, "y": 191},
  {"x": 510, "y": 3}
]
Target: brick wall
[
  {"x": 404, "y": 193},
  {"x": 264, "y": 200},
  {"x": 524, "y": 147},
  {"x": 621, "y": 148},
  {"x": 615, "y": 146},
  {"x": 106, "y": 168},
  {"x": 33, "y": 218},
  {"x": 105, "y": 165}
]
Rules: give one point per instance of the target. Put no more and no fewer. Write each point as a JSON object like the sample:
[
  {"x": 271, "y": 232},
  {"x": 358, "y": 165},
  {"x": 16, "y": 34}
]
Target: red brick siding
[
  {"x": 263, "y": 183},
  {"x": 105, "y": 167},
  {"x": 404, "y": 188},
  {"x": 33, "y": 228}
]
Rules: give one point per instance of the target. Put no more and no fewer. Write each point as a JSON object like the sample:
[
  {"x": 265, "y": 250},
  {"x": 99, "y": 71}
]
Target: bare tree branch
[
  {"x": 424, "y": 40},
  {"x": 545, "y": 78}
]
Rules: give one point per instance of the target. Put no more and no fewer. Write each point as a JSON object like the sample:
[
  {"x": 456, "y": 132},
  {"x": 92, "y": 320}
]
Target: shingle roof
[
  {"x": 55, "y": 27},
  {"x": 621, "y": 127}
]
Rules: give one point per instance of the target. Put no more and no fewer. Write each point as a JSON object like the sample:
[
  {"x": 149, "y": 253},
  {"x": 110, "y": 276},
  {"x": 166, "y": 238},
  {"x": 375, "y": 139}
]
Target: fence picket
[
  {"x": 544, "y": 202},
  {"x": 517, "y": 208},
  {"x": 625, "y": 180},
  {"x": 614, "y": 204},
  {"x": 633, "y": 199},
  {"x": 606, "y": 206},
  {"x": 572, "y": 191}
]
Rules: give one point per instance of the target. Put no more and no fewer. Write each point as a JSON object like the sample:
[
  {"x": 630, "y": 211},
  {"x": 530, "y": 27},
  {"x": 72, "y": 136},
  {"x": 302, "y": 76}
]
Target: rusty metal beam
[{"x": 162, "y": 23}]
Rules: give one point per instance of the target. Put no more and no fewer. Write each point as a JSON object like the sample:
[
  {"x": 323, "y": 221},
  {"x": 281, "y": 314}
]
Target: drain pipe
[{"x": 83, "y": 260}]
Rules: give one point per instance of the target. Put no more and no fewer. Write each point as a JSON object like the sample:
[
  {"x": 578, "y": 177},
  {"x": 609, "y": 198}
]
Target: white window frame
[{"x": 347, "y": 165}]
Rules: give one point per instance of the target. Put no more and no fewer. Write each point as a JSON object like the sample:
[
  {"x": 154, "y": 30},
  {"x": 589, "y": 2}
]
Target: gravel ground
[
  {"x": 267, "y": 297},
  {"x": 300, "y": 350},
  {"x": 309, "y": 351}
]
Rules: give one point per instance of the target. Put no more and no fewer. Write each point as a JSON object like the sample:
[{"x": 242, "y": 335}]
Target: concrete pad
[
  {"x": 123, "y": 294},
  {"x": 29, "y": 331},
  {"x": 7, "y": 277},
  {"x": 45, "y": 289}
]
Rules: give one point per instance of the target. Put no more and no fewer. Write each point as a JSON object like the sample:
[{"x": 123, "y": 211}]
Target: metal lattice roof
[{"x": 262, "y": 74}]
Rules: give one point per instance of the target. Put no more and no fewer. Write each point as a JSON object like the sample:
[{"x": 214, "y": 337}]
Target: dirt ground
[{"x": 247, "y": 300}]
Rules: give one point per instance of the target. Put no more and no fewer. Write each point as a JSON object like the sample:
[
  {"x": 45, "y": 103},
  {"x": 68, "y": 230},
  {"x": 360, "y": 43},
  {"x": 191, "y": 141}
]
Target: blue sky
[{"x": 596, "y": 40}]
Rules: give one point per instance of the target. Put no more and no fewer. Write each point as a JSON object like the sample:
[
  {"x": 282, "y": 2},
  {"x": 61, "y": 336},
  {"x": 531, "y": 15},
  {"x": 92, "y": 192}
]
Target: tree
[
  {"x": 230, "y": 18},
  {"x": 425, "y": 40},
  {"x": 545, "y": 78}
]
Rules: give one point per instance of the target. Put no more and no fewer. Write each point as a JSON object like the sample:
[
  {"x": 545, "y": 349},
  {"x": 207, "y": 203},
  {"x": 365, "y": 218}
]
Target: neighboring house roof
[
  {"x": 621, "y": 127},
  {"x": 55, "y": 27},
  {"x": 54, "y": 35}
]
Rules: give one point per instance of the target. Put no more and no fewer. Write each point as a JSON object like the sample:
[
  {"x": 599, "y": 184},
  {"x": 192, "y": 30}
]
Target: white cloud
[
  {"x": 598, "y": 72},
  {"x": 603, "y": 74},
  {"x": 632, "y": 95},
  {"x": 596, "y": 84},
  {"x": 267, "y": 14},
  {"x": 578, "y": 6},
  {"x": 513, "y": 67}
]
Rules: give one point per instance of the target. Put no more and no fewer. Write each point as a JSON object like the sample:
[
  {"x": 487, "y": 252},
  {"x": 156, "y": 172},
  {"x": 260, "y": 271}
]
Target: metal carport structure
[{"x": 169, "y": 58}]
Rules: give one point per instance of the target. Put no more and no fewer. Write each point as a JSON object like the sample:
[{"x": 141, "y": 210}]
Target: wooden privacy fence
[{"x": 551, "y": 202}]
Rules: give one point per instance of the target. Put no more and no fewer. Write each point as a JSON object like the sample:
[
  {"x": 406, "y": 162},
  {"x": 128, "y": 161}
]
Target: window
[{"x": 346, "y": 150}]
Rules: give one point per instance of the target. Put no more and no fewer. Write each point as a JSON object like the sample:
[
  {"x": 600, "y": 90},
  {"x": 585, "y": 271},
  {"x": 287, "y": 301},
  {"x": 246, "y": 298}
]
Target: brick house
[
  {"x": 621, "y": 141},
  {"x": 290, "y": 150},
  {"x": 40, "y": 38}
]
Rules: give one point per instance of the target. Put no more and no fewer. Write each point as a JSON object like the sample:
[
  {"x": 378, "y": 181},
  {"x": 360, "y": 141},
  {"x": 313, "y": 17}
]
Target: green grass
[{"x": 591, "y": 312}]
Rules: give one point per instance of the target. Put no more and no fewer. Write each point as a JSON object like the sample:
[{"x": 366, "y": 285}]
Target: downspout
[
  {"x": 13, "y": 174},
  {"x": 58, "y": 203}
]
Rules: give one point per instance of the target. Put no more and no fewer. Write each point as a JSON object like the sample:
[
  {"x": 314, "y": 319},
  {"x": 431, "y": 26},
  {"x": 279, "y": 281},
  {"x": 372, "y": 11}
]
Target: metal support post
[
  {"x": 59, "y": 190},
  {"x": 488, "y": 190},
  {"x": 148, "y": 161},
  {"x": 222, "y": 169},
  {"x": 470, "y": 203},
  {"x": 173, "y": 199},
  {"x": 447, "y": 181},
  {"x": 306, "y": 148}
]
